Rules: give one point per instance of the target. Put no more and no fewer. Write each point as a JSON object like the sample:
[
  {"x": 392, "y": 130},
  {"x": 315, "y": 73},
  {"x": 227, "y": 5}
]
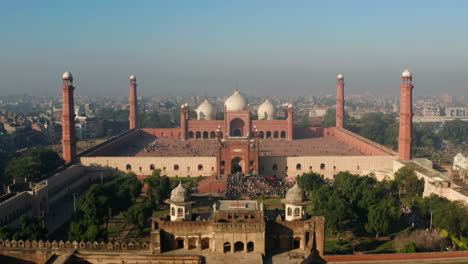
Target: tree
[
  {"x": 310, "y": 181},
  {"x": 5, "y": 232},
  {"x": 34, "y": 165},
  {"x": 329, "y": 119},
  {"x": 455, "y": 131},
  {"x": 159, "y": 187},
  {"x": 31, "y": 228},
  {"x": 379, "y": 127},
  {"x": 406, "y": 179},
  {"x": 138, "y": 214},
  {"x": 382, "y": 215},
  {"x": 328, "y": 202}
]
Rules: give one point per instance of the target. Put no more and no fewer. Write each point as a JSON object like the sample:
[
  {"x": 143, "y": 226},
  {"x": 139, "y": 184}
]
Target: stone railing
[{"x": 60, "y": 245}]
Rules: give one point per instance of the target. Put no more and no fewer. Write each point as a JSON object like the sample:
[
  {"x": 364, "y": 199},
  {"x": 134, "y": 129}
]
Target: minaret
[
  {"x": 68, "y": 119},
  {"x": 340, "y": 101},
  {"x": 406, "y": 117},
  {"x": 290, "y": 120},
  {"x": 132, "y": 118},
  {"x": 184, "y": 114}
]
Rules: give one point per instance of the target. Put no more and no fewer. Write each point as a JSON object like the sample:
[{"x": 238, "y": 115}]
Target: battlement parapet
[
  {"x": 60, "y": 245},
  {"x": 244, "y": 227}
]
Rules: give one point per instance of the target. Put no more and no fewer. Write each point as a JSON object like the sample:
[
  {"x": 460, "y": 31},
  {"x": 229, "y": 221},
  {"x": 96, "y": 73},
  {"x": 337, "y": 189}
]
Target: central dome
[
  {"x": 235, "y": 102},
  {"x": 206, "y": 111},
  {"x": 266, "y": 111}
]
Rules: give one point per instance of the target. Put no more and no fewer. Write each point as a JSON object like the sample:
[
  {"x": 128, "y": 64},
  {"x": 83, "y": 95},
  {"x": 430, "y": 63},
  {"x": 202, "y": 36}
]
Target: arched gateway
[{"x": 236, "y": 165}]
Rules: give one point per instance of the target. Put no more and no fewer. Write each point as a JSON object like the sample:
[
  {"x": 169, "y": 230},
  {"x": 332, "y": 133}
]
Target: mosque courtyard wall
[{"x": 169, "y": 166}]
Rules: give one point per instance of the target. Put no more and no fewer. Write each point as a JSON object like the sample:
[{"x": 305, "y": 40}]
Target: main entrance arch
[
  {"x": 236, "y": 165},
  {"x": 237, "y": 128}
]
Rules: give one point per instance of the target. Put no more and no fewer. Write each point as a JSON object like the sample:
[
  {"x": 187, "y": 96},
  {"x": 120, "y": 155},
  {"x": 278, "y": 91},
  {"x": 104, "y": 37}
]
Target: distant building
[
  {"x": 318, "y": 111},
  {"x": 431, "y": 111},
  {"x": 460, "y": 111}
]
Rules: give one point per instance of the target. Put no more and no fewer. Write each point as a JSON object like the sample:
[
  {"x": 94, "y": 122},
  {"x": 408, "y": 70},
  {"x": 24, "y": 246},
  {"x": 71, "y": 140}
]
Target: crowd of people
[
  {"x": 177, "y": 148},
  {"x": 238, "y": 185}
]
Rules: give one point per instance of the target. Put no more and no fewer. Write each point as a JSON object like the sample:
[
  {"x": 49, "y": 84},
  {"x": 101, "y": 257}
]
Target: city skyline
[{"x": 209, "y": 47}]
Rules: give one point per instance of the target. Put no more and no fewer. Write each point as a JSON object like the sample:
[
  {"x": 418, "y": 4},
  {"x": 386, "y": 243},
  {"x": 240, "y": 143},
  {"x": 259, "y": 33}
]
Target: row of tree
[
  {"x": 383, "y": 129},
  {"x": 368, "y": 206},
  {"x": 32, "y": 166},
  {"x": 99, "y": 204}
]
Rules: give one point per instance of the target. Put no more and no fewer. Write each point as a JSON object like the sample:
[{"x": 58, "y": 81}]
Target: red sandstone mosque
[{"x": 239, "y": 143}]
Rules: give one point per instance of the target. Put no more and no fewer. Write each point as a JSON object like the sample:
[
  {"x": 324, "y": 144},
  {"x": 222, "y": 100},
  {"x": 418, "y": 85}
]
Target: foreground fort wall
[
  {"x": 360, "y": 143},
  {"x": 49, "y": 193},
  {"x": 169, "y": 166},
  {"x": 325, "y": 165}
]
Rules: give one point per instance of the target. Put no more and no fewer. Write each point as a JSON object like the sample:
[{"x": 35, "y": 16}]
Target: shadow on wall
[
  {"x": 307, "y": 132},
  {"x": 4, "y": 259}
]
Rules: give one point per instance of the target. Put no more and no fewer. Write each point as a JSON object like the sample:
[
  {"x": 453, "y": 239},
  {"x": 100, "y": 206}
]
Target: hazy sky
[{"x": 199, "y": 47}]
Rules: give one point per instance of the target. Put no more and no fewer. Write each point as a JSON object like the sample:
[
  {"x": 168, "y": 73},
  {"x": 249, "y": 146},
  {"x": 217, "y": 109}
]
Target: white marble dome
[
  {"x": 206, "y": 111},
  {"x": 179, "y": 194},
  {"x": 406, "y": 73},
  {"x": 266, "y": 111},
  {"x": 295, "y": 194},
  {"x": 67, "y": 75},
  {"x": 340, "y": 76},
  {"x": 235, "y": 102},
  {"x": 132, "y": 77}
]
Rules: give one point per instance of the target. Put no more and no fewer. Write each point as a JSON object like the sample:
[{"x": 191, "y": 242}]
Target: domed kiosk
[
  {"x": 295, "y": 203},
  {"x": 235, "y": 102},
  {"x": 266, "y": 111},
  {"x": 180, "y": 205},
  {"x": 206, "y": 111}
]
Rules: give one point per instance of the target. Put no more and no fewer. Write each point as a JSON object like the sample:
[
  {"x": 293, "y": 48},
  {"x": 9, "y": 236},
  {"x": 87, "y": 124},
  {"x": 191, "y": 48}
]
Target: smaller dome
[
  {"x": 266, "y": 111},
  {"x": 67, "y": 75},
  {"x": 235, "y": 102},
  {"x": 206, "y": 111},
  {"x": 132, "y": 77},
  {"x": 340, "y": 76},
  {"x": 179, "y": 194},
  {"x": 406, "y": 74},
  {"x": 294, "y": 195}
]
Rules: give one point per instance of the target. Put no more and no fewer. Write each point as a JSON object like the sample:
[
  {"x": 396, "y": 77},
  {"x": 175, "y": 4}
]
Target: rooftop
[
  {"x": 147, "y": 146},
  {"x": 237, "y": 205}
]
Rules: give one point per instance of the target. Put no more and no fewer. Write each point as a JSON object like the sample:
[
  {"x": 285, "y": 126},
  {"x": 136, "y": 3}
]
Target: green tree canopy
[
  {"x": 406, "y": 179},
  {"x": 33, "y": 165},
  {"x": 138, "y": 214},
  {"x": 31, "y": 228},
  {"x": 159, "y": 187},
  {"x": 382, "y": 216},
  {"x": 310, "y": 181},
  {"x": 455, "y": 131},
  {"x": 328, "y": 202}
]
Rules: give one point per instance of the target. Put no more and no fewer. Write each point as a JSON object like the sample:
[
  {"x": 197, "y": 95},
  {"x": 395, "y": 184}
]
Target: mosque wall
[
  {"x": 170, "y": 166},
  {"x": 109, "y": 147},
  {"x": 163, "y": 132},
  {"x": 325, "y": 165},
  {"x": 275, "y": 128},
  {"x": 362, "y": 144}
]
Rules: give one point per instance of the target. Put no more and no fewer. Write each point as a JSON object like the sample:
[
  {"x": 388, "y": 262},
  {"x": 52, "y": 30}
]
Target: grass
[
  {"x": 381, "y": 247},
  {"x": 338, "y": 247},
  {"x": 115, "y": 230}
]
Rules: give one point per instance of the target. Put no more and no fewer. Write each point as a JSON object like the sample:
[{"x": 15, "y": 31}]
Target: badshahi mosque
[{"x": 240, "y": 143}]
